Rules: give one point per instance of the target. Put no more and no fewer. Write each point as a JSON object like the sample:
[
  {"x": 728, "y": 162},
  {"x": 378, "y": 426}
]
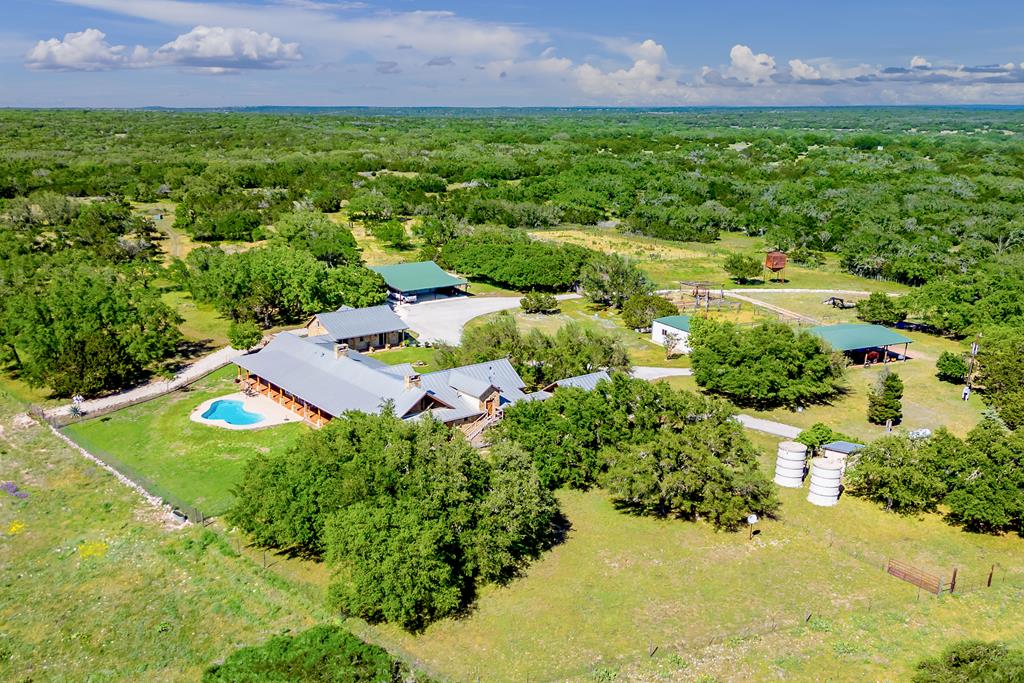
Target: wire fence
[{"x": 156, "y": 493}]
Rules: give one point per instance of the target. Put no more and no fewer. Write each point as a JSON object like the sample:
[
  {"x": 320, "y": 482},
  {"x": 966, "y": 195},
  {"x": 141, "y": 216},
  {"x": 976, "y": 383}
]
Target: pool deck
[{"x": 273, "y": 414}]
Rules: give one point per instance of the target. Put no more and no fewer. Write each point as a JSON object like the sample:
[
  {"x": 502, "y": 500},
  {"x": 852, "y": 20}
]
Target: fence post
[
  {"x": 952, "y": 582},
  {"x": 990, "y": 573}
]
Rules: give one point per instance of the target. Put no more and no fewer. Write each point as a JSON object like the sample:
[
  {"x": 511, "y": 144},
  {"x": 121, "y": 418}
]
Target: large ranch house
[{"x": 319, "y": 378}]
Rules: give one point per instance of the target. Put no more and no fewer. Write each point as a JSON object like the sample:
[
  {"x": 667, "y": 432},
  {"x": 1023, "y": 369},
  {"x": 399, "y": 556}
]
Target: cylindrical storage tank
[
  {"x": 789, "y": 464},
  {"x": 826, "y": 478}
]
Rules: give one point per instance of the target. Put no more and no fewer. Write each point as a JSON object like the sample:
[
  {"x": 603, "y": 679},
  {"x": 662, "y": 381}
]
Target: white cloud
[
  {"x": 918, "y": 62},
  {"x": 227, "y": 48},
  {"x": 749, "y": 67},
  {"x": 213, "y": 49},
  {"x": 429, "y": 32},
  {"x": 647, "y": 50},
  {"x": 803, "y": 71},
  {"x": 86, "y": 50}
]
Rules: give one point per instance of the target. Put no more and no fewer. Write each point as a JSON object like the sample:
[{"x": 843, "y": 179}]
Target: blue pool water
[{"x": 231, "y": 412}]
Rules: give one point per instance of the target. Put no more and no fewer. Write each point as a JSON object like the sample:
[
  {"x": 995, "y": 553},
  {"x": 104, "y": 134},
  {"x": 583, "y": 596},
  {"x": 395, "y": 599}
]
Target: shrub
[
  {"x": 885, "y": 399},
  {"x": 539, "y": 302},
  {"x": 972, "y": 660},
  {"x": 742, "y": 268},
  {"x": 323, "y": 654},
  {"x": 951, "y": 367},
  {"x": 881, "y": 309}
]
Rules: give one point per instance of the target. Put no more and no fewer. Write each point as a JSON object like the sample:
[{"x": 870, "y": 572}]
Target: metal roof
[
  {"x": 416, "y": 277},
  {"x": 679, "y": 322},
  {"x": 588, "y": 382},
  {"x": 311, "y": 372},
  {"x": 468, "y": 384},
  {"x": 856, "y": 336},
  {"x": 346, "y": 322},
  {"x": 844, "y": 447}
]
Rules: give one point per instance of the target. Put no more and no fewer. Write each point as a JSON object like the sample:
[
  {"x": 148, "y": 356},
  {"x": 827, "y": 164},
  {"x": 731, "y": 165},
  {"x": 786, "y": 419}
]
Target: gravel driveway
[{"x": 443, "y": 320}]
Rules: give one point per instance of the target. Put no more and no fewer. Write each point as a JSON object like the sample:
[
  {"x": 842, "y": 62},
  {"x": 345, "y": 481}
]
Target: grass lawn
[
  {"x": 412, "y": 355},
  {"x": 667, "y": 262},
  {"x": 197, "y": 463},
  {"x": 94, "y": 586},
  {"x": 595, "y": 606},
  {"x": 201, "y": 322}
]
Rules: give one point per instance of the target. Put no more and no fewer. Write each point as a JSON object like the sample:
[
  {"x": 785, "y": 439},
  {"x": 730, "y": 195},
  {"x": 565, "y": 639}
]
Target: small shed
[
  {"x": 867, "y": 343},
  {"x": 421, "y": 281},
  {"x": 672, "y": 326},
  {"x": 840, "y": 450}
]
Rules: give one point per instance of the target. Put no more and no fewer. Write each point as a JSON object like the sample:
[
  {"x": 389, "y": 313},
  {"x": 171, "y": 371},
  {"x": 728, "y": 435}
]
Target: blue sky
[{"x": 517, "y": 53}]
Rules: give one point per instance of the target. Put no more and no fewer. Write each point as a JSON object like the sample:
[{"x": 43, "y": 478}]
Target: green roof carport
[
  {"x": 409, "y": 278},
  {"x": 855, "y": 336}
]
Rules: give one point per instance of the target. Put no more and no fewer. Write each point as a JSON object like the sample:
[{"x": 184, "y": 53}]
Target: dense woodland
[{"x": 926, "y": 197}]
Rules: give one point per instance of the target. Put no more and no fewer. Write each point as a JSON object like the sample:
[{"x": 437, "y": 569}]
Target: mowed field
[
  {"x": 194, "y": 462},
  {"x": 95, "y": 585},
  {"x": 668, "y": 262}
]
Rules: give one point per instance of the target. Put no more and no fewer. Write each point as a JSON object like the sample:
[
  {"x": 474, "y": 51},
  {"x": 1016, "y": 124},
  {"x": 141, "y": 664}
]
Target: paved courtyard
[{"x": 443, "y": 320}]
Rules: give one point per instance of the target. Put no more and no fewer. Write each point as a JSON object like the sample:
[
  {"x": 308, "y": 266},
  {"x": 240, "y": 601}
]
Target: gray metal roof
[
  {"x": 847, "y": 447},
  {"x": 469, "y": 384},
  {"x": 587, "y": 382},
  {"x": 347, "y": 322},
  {"x": 311, "y": 372}
]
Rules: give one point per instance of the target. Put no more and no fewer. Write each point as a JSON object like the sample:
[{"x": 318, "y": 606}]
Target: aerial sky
[{"x": 216, "y": 53}]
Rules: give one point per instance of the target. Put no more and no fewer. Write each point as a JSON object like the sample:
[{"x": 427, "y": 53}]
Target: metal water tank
[
  {"x": 789, "y": 464},
  {"x": 826, "y": 479}
]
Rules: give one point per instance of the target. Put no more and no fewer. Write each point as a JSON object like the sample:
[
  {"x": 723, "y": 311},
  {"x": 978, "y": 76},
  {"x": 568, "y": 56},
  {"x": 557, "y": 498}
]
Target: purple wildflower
[{"x": 12, "y": 488}]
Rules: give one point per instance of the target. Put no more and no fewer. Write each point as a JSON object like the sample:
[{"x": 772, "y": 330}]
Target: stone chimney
[
  {"x": 412, "y": 380},
  {"x": 341, "y": 350}
]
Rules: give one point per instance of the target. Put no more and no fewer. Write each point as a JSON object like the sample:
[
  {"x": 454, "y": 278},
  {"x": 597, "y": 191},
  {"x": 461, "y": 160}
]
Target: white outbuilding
[{"x": 674, "y": 329}]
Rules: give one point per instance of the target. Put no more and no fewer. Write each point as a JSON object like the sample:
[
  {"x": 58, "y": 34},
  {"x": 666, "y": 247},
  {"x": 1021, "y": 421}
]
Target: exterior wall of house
[
  {"x": 314, "y": 328},
  {"x": 366, "y": 342},
  {"x": 660, "y": 330}
]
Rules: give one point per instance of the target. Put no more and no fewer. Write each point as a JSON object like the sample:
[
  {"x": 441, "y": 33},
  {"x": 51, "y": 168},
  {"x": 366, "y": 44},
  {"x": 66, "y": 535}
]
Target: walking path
[
  {"x": 650, "y": 373},
  {"x": 769, "y": 426},
  {"x": 443, "y": 320},
  {"x": 203, "y": 366}
]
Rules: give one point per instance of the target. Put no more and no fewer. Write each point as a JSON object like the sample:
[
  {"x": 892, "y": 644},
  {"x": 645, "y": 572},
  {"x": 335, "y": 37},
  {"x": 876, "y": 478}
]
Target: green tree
[
  {"x": 276, "y": 284},
  {"x": 539, "y": 358},
  {"x": 1001, "y": 363},
  {"x": 86, "y": 330},
  {"x": 539, "y": 302},
  {"x": 244, "y": 334},
  {"x": 314, "y": 232},
  {"x": 768, "y": 365},
  {"x": 409, "y": 516},
  {"x": 743, "y": 268},
  {"x": 640, "y": 310},
  {"x": 322, "y": 654},
  {"x": 951, "y": 367},
  {"x": 708, "y": 469},
  {"x": 611, "y": 279},
  {"x": 897, "y": 473},
  {"x": 881, "y": 309},
  {"x": 391, "y": 232},
  {"x": 819, "y": 434},
  {"x": 885, "y": 399}
]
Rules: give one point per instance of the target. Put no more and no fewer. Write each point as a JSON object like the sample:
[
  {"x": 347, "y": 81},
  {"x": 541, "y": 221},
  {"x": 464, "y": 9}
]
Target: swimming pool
[{"x": 232, "y": 412}]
